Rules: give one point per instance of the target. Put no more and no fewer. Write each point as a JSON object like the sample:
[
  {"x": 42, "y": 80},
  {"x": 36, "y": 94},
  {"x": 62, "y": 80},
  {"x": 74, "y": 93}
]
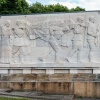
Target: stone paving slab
[{"x": 37, "y": 95}]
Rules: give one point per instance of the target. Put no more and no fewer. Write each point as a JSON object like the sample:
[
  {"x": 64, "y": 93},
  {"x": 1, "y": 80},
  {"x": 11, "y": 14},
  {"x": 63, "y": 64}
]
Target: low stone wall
[
  {"x": 87, "y": 89},
  {"x": 49, "y": 77},
  {"x": 79, "y": 85},
  {"x": 78, "y": 89}
]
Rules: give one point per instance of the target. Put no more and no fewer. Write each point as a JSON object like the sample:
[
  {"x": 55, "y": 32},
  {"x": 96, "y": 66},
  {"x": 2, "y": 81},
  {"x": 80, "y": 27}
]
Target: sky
[{"x": 87, "y": 4}]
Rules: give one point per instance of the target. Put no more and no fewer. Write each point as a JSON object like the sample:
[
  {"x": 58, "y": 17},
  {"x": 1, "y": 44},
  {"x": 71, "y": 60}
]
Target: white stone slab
[
  {"x": 17, "y": 71},
  {"x": 26, "y": 71},
  {"x": 85, "y": 71},
  {"x": 3, "y": 71},
  {"x": 38, "y": 71},
  {"x": 73, "y": 71},
  {"x": 58, "y": 71},
  {"x": 4, "y": 65},
  {"x": 50, "y": 41},
  {"x": 96, "y": 71},
  {"x": 49, "y": 71}
]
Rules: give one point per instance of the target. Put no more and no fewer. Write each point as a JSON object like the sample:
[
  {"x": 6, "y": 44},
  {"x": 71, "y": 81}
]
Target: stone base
[
  {"x": 49, "y": 77},
  {"x": 79, "y": 85}
]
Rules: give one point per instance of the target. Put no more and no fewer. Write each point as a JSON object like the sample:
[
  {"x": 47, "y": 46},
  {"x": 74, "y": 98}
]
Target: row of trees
[{"x": 22, "y": 7}]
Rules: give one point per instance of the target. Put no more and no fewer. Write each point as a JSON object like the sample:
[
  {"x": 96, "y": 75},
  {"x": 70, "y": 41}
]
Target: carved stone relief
[{"x": 60, "y": 39}]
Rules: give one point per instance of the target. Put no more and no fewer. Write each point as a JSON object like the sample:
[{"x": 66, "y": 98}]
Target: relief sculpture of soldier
[
  {"x": 56, "y": 31},
  {"x": 60, "y": 54},
  {"x": 77, "y": 41},
  {"x": 92, "y": 37},
  {"x": 21, "y": 42},
  {"x": 51, "y": 39},
  {"x": 67, "y": 36},
  {"x": 5, "y": 41}
]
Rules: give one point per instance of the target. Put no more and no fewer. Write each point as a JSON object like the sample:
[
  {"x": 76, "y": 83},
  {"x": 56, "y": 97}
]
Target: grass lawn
[{"x": 8, "y": 98}]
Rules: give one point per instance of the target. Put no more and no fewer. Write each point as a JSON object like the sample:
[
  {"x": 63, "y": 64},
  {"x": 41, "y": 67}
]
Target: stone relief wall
[{"x": 41, "y": 39}]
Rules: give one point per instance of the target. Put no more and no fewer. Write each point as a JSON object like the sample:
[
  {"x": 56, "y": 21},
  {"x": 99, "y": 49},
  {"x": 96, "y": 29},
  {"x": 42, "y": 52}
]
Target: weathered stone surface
[
  {"x": 78, "y": 89},
  {"x": 87, "y": 89},
  {"x": 61, "y": 77},
  {"x": 84, "y": 77},
  {"x": 50, "y": 78},
  {"x": 55, "y": 87},
  {"x": 42, "y": 77},
  {"x": 25, "y": 77},
  {"x": 4, "y": 85}
]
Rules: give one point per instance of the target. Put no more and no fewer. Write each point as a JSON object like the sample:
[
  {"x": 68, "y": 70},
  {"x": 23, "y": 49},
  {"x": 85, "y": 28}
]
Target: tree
[
  {"x": 2, "y": 5},
  {"x": 77, "y": 9},
  {"x": 22, "y": 7},
  {"x": 60, "y": 8},
  {"x": 14, "y": 7},
  {"x": 49, "y": 8},
  {"x": 37, "y": 8}
]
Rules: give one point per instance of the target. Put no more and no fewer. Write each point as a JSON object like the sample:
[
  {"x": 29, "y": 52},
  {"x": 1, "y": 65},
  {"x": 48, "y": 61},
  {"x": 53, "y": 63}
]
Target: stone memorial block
[{"x": 50, "y": 40}]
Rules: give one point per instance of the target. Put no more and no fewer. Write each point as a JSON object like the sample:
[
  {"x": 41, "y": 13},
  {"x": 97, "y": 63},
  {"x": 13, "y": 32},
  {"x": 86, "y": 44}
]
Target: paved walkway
[{"x": 34, "y": 95}]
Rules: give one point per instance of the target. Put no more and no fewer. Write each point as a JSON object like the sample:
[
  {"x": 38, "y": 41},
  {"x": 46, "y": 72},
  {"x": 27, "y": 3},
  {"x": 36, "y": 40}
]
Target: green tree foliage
[
  {"x": 2, "y": 5},
  {"x": 77, "y": 9},
  {"x": 60, "y": 8},
  {"x": 37, "y": 8},
  {"x": 22, "y": 7},
  {"x": 49, "y": 8},
  {"x": 14, "y": 7}
]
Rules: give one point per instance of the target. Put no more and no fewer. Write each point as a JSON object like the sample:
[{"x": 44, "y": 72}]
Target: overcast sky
[{"x": 87, "y": 4}]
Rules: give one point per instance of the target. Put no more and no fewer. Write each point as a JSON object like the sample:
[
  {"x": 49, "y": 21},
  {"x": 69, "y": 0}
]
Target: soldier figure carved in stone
[
  {"x": 21, "y": 42},
  {"x": 5, "y": 39},
  {"x": 77, "y": 41},
  {"x": 91, "y": 37}
]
